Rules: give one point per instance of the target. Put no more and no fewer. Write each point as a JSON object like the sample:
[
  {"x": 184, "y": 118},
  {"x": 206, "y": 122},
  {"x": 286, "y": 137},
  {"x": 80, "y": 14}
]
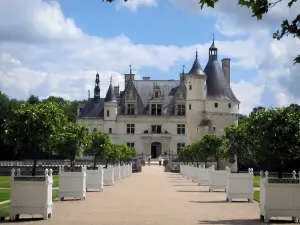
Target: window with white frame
[
  {"x": 130, "y": 144},
  {"x": 156, "y": 129},
  {"x": 181, "y": 110},
  {"x": 180, "y": 128},
  {"x": 179, "y": 147},
  {"x": 156, "y": 109},
  {"x": 130, "y": 128},
  {"x": 130, "y": 109}
]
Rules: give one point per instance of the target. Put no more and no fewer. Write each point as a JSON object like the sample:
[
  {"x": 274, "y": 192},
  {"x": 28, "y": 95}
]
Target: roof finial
[
  {"x": 213, "y": 37},
  {"x": 97, "y": 70},
  {"x": 130, "y": 71},
  {"x": 110, "y": 79},
  {"x": 196, "y": 53},
  {"x": 183, "y": 68}
]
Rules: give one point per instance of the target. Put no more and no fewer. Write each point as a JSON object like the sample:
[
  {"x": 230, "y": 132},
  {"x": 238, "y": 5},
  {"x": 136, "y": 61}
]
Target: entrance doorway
[{"x": 155, "y": 150}]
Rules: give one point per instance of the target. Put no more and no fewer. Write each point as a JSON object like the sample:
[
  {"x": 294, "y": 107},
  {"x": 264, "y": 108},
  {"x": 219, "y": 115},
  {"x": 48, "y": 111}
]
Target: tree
[
  {"x": 34, "y": 127},
  {"x": 33, "y": 99},
  {"x": 96, "y": 145},
  {"x": 237, "y": 145},
  {"x": 70, "y": 141},
  {"x": 275, "y": 135},
  {"x": 211, "y": 145},
  {"x": 259, "y": 8}
]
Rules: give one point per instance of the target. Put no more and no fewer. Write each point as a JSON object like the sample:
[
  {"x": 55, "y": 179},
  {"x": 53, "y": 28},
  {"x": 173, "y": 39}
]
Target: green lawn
[
  {"x": 256, "y": 181},
  {"x": 5, "y": 181},
  {"x": 4, "y": 195},
  {"x": 257, "y": 196},
  {"x": 4, "y": 208}
]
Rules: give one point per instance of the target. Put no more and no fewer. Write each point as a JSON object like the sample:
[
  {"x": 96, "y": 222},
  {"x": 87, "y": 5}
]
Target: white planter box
[
  {"x": 72, "y": 184},
  {"x": 240, "y": 186},
  {"x": 31, "y": 195},
  {"x": 117, "y": 174},
  {"x": 94, "y": 179},
  {"x": 203, "y": 176},
  {"x": 217, "y": 179},
  {"x": 279, "y": 197},
  {"x": 194, "y": 173},
  {"x": 108, "y": 178},
  {"x": 127, "y": 170},
  {"x": 122, "y": 172}
]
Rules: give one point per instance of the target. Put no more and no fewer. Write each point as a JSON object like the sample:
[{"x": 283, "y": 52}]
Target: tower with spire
[
  {"x": 110, "y": 104},
  {"x": 195, "y": 98}
]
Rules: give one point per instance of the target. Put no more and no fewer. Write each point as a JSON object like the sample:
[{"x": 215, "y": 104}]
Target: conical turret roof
[
  {"x": 196, "y": 68},
  {"x": 110, "y": 95}
]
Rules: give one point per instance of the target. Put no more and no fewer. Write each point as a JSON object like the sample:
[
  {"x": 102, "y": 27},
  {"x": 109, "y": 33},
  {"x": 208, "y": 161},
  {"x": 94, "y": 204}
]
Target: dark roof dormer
[
  {"x": 110, "y": 95},
  {"x": 196, "y": 68}
]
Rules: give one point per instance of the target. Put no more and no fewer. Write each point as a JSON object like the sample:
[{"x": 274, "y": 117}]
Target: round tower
[
  {"x": 195, "y": 99},
  {"x": 110, "y": 104}
]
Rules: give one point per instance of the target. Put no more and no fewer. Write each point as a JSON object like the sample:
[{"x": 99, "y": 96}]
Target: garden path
[{"x": 152, "y": 197}]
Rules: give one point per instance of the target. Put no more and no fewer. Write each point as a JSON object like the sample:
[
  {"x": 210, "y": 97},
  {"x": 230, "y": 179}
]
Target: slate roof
[
  {"x": 92, "y": 108},
  {"x": 218, "y": 88},
  {"x": 217, "y": 85},
  {"x": 196, "y": 68},
  {"x": 110, "y": 95}
]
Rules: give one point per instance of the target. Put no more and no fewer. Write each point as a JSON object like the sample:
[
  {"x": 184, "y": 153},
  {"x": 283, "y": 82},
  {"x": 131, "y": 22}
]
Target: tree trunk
[
  {"x": 33, "y": 172},
  {"x": 106, "y": 164},
  {"x": 218, "y": 164},
  {"x": 72, "y": 164},
  {"x": 205, "y": 163},
  {"x": 34, "y": 167},
  {"x": 95, "y": 162},
  {"x": 280, "y": 171},
  {"x": 237, "y": 164}
]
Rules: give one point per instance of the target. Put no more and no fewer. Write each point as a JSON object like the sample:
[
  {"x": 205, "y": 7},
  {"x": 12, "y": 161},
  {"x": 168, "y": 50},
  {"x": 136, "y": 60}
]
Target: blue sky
[{"x": 57, "y": 46}]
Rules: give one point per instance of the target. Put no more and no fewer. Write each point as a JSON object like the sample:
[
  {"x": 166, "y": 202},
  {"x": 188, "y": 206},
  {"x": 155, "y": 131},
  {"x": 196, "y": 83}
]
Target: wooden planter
[
  {"x": 31, "y": 195},
  {"x": 240, "y": 186},
  {"x": 279, "y": 197},
  {"x": 203, "y": 175},
  {"x": 94, "y": 179},
  {"x": 72, "y": 184},
  {"x": 117, "y": 172},
  {"x": 108, "y": 178},
  {"x": 217, "y": 179}
]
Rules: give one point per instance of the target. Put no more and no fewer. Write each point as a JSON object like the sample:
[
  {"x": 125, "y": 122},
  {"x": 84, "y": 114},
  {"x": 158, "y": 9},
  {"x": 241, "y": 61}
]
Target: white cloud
[
  {"x": 7, "y": 58},
  {"x": 248, "y": 94},
  {"x": 52, "y": 56},
  {"x": 134, "y": 4},
  {"x": 273, "y": 59}
]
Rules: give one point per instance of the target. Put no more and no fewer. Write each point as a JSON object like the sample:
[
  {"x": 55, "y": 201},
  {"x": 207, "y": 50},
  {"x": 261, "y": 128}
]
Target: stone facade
[{"x": 162, "y": 116}]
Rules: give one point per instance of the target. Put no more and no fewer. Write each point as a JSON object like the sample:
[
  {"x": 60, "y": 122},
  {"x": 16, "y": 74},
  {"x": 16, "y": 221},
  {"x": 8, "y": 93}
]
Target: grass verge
[
  {"x": 256, "y": 181},
  {"x": 4, "y": 208},
  {"x": 5, "y": 181},
  {"x": 4, "y": 195},
  {"x": 257, "y": 196}
]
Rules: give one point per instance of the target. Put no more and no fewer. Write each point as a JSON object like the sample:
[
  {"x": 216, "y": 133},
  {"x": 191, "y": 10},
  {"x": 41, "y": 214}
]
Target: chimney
[
  {"x": 226, "y": 68},
  {"x": 146, "y": 78},
  {"x": 117, "y": 91}
]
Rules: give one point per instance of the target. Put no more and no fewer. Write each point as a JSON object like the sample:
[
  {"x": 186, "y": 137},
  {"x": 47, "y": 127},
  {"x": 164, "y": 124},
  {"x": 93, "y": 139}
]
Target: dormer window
[
  {"x": 216, "y": 105},
  {"x": 156, "y": 109},
  {"x": 130, "y": 109},
  {"x": 156, "y": 94}
]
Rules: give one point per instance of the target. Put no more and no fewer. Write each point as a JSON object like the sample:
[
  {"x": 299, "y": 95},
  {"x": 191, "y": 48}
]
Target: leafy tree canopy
[
  {"x": 70, "y": 141},
  {"x": 34, "y": 127},
  {"x": 96, "y": 145}
]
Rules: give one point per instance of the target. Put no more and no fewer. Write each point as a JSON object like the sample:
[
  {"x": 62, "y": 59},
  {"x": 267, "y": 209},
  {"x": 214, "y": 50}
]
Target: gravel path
[{"x": 152, "y": 198}]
